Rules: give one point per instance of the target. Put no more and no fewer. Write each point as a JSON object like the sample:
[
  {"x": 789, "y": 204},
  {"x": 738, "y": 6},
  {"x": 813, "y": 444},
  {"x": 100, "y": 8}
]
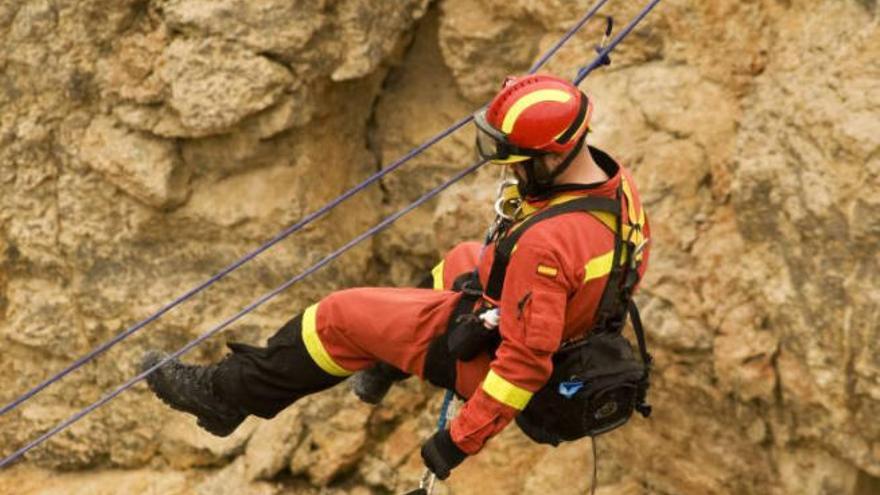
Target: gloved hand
[{"x": 441, "y": 455}]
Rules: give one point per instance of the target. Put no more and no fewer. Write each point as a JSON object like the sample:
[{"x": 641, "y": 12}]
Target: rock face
[{"x": 146, "y": 144}]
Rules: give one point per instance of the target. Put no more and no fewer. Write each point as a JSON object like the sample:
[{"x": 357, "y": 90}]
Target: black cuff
[{"x": 441, "y": 455}]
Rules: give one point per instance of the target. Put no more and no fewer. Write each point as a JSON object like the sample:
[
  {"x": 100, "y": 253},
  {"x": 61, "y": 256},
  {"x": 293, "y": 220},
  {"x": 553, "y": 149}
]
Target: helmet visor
[{"x": 492, "y": 144}]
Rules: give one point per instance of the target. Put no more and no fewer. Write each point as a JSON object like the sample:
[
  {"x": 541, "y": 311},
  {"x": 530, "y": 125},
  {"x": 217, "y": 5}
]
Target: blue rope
[
  {"x": 444, "y": 411},
  {"x": 603, "y": 54},
  {"x": 247, "y": 309},
  {"x": 234, "y": 266},
  {"x": 271, "y": 294},
  {"x": 571, "y": 32},
  {"x": 281, "y": 236}
]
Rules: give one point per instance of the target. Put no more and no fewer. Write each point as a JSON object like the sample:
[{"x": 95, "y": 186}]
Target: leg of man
[
  {"x": 346, "y": 332},
  {"x": 265, "y": 380},
  {"x": 371, "y": 385},
  {"x": 250, "y": 380}
]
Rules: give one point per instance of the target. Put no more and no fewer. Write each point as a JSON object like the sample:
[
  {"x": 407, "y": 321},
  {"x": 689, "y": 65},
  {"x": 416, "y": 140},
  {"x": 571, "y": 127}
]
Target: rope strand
[
  {"x": 603, "y": 54},
  {"x": 247, "y": 309},
  {"x": 102, "y": 348},
  {"x": 271, "y": 294}
]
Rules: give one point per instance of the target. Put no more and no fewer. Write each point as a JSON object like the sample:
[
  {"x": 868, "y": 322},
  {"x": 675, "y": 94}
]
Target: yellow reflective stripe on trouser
[
  {"x": 505, "y": 392},
  {"x": 437, "y": 275},
  {"x": 313, "y": 344}
]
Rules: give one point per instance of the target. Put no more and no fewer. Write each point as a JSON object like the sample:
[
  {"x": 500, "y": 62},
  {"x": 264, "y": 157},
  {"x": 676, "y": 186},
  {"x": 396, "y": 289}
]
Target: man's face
[
  {"x": 544, "y": 165},
  {"x": 519, "y": 170}
]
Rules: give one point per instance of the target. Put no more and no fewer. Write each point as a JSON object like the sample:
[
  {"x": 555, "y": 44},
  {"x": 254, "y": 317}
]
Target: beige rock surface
[{"x": 145, "y": 144}]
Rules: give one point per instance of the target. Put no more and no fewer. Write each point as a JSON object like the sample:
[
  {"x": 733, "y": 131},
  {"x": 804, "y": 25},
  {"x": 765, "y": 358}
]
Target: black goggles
[{"x": 493, "y": 145}]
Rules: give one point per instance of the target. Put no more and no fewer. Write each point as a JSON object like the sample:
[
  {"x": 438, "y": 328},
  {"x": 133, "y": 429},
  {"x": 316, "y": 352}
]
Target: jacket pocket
[{"x": 545, "y": 319}]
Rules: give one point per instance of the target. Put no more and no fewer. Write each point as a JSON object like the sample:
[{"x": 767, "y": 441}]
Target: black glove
[{"x": 441, "y": 455}]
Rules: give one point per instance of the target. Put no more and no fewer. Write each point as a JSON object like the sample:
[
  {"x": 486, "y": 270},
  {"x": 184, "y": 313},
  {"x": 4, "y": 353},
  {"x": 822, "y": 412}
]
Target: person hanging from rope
[{"x": 561, "y": 264}]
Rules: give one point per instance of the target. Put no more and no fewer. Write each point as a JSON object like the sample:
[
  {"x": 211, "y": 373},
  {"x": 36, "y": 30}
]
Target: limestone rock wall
[{"x": 145, "y": 144}]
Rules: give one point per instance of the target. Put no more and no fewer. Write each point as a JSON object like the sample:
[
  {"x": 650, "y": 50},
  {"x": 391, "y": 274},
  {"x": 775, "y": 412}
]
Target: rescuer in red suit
[{"x": 536, "y": 125}]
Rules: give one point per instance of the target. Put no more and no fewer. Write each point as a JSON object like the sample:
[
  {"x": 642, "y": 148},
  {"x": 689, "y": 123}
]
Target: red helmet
[{"x": 532, "y": 116}]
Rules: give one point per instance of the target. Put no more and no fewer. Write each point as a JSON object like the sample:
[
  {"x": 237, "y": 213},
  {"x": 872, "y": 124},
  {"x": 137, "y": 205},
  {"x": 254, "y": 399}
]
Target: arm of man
[{"x": 532, "y": 320}]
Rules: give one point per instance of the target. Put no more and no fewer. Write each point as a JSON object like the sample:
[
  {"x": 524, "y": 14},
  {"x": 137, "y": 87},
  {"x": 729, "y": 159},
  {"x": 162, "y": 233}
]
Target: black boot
[{"x": 190, "y": 388}]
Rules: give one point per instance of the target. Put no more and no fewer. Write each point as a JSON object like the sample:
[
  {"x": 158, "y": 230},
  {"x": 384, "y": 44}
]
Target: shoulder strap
[
  {"x": 504, "y": 247},
  {"x": 642, "y": 405}
]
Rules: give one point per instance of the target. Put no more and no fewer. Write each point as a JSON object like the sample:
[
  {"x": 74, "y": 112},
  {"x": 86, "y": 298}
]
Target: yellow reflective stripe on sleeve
[
  {"x": 437, "y": 275},
  {"x": 505, "y": 392},
  {"x": 313, "y": 344},
  {"x": 599, "y": 266},
  {"x": 528, "y": 100}
]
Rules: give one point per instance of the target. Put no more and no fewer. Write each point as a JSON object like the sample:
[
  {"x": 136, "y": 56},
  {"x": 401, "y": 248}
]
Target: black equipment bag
[{"x": 596, "y": 385}]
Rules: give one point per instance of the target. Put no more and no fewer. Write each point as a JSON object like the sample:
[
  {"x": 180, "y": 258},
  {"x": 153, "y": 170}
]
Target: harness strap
[
  {"x": 615, "y": 292},
  {"x": 636, "y": 320},
  {"x": 504, "y": 247},
  {"x": 647, "y": 360}
]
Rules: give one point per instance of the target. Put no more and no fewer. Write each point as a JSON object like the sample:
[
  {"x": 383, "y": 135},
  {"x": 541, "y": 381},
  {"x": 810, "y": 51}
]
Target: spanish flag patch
[{"x": 547, "y": 271}]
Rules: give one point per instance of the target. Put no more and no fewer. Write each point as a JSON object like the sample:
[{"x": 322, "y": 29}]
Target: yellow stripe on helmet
[{"x": 527, "y": 101}]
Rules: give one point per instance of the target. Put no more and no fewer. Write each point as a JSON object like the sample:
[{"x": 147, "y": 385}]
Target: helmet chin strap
[{"x": 539, "y": 180}]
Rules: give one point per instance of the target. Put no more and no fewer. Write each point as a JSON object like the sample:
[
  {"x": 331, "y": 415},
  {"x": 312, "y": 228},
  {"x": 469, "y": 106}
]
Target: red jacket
[
  {"x": 551, "y": 292},
  {"x": 554, "y": 281}
]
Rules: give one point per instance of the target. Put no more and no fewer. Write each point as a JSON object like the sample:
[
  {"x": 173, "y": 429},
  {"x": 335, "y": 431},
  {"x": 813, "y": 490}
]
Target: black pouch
[{"x": 595, "y": 387}]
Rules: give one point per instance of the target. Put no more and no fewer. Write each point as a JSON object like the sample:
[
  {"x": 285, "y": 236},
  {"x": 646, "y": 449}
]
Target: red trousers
[{"x": 358, "y": 327}]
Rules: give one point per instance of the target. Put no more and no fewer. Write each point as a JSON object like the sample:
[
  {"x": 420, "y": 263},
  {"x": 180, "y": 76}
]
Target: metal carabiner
[
  {"x": 501, "y": 201},
  {"x": 426, "y": 484},
  {"x": 428, "y": 481}
]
